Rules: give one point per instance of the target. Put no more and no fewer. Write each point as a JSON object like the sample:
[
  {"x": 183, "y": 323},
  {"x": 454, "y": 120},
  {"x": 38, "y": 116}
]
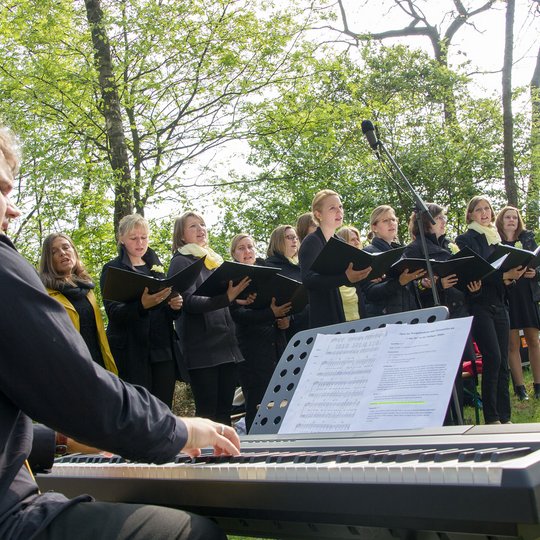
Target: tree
[
  {"x": 112, "y": 113},
  {"x": 533, "y": 191},
  {"x": 176, "y": 80},
  {"x": 508, "y": 119},
  {"x": 311, "y": 139},
  {"x": 419, "y": 25}
]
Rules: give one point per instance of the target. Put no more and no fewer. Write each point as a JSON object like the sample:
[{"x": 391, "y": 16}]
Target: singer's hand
[{"x": 354, "y": 276}]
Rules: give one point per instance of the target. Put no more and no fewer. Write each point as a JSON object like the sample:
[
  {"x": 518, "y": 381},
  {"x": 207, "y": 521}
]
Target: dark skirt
[{"x": 524, "y": 312}]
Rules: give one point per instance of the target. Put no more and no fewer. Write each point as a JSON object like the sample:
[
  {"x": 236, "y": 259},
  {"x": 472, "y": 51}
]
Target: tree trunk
[
  {"x": 533, "y": 191},
  {"x": 118, "y": 152},
  {"x": 508, "y": 120}
]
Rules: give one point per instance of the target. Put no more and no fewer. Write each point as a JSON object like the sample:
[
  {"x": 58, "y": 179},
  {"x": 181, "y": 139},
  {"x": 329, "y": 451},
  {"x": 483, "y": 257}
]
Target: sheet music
[{"x": 397, "y": 377}]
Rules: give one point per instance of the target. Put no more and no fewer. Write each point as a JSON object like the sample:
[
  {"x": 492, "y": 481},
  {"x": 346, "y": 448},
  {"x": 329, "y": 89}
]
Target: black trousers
[
  {"x": 491, "y": 328},
  {"x": 213, "y": 390},
  {"x": 118, "y": 521},
  {"x": 163, "y": 376}
]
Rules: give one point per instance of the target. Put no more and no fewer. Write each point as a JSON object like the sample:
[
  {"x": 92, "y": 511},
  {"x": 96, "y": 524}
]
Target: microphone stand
[{"x": 420, "y": 210}]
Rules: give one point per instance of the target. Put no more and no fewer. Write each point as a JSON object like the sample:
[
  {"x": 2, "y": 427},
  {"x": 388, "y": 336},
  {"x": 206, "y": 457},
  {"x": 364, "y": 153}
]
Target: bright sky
[{"x": 481, "y": 42}]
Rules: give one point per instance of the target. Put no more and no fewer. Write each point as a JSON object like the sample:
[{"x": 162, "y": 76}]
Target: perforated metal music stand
[{"x": 291, "y": 364}]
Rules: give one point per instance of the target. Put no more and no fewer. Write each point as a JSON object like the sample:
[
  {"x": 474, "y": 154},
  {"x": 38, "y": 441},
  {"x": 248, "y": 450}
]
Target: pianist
[{"x": 47, "y": 373}]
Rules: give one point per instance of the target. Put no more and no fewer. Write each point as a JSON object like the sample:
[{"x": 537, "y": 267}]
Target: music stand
[{"x": 291, "y": 364}]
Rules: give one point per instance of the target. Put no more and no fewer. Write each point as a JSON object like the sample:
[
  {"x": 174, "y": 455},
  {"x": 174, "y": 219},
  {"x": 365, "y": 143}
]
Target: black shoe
[
  {"x": 521, "y": 392},
  {"x": 537, "y": 391}
]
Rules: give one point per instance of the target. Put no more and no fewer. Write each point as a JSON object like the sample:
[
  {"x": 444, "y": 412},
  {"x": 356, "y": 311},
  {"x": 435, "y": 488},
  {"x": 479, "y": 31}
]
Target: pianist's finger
[{"x": 204, "y": 433}]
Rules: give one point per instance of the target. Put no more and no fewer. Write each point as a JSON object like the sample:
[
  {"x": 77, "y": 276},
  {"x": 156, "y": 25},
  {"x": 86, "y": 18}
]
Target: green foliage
[{"x": 310, "y": 139}]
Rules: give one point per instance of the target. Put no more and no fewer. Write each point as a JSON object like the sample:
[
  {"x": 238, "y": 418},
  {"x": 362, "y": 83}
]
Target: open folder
[
  {"x": 283, "y": 289},
  {"x": 516, "y": 257},
  {"x": 336, "y": 256},
  {"x": 126, "y": 286},
  {"x": 218, "y": 281}
]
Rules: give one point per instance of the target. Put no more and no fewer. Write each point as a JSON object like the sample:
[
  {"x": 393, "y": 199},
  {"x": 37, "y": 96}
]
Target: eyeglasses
[{"x": 291, "y": 237}]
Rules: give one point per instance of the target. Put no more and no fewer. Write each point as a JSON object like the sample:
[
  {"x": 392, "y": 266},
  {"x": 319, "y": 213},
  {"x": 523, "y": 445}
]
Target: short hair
[
  {"x": 180, "y": 225},
  {"x": 473, "y": 203},
  {"x": 433, "y": 209},
  {"x": 130, "y": 222},
  {"x": 47, "y": 273},
  {"x": 236, "y": 240},
  {"x": 316, "y": 204},
  {"x": 347, "y": 231},
  {"x": 500, "y": 217},
  {"x": 376, "y": 216},
  {"x": 10, "y": 149},
  {"x": 276, "y": 244},
  {"x": 303, "y": 223}
]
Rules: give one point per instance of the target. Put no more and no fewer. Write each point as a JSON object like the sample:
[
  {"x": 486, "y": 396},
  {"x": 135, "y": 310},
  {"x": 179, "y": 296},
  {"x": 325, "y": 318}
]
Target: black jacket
[
  {"x": 299, "y": 321},
  {"x": 206, "y": 329},
  {"x": 136, "y": 335},
  {"x": 438, "y": 250},
  {"x": 388, "y": 296},
  {"x": 493, "y": 290},
  {"x": 52, "y": 379},
  {"x": 529, "y": 243},
  {"x": 325, "y": 305}
]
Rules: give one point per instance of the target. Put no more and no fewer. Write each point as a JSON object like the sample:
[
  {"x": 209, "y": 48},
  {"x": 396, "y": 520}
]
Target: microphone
[{"x": 369, "y": 131}]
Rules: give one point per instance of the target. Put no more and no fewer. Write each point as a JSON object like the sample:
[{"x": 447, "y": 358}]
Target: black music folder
[
  {"x": 336, "y": 256},
  {"x": 453, "y": 265},
  {"x": 218, "y": 281},
  {"x": 516, "y": 257},
  {"x": 476, "y": 269},
  {"x": 127, "y": 286},
  {"x": 283, "y": 289}
]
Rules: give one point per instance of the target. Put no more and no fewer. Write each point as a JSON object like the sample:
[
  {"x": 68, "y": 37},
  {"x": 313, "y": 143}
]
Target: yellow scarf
[
  {"x": 213, "y": 259},
  {"x": 490, "y": 232},
  {"x": 293, "y": 260}
]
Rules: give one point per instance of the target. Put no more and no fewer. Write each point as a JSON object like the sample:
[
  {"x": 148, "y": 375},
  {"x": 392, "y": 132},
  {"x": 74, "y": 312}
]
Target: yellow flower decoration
[
  {"x": 454, "y": 248},
  {"x": 518, "y": 244},
  {"x": 157, "y": 268}
]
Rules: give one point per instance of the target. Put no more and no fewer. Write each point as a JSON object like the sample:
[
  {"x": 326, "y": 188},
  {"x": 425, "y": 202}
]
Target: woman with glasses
[
  {"x": 282, "y": 253},
  {"x": 389, "y": 294},
  {"x": 440, "y": 249},
  {"x": 259, "y": 333}
]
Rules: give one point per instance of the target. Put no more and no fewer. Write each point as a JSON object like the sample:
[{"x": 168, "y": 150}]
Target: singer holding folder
[
  {"x": 325, "y": 304},
  {"x": 388, "y": 295},
  {"x": 260, "y": 335},
  {"x": 489, "y": 305},
  {"x": 141, "y": 333},
  {"x": 206, "y": 329},
  {"x": 523, "y": 302},
  {"x": 454, "y": 299}
]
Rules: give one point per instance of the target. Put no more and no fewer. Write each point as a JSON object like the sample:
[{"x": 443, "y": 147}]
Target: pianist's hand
[{"x": 203, "y": 433}]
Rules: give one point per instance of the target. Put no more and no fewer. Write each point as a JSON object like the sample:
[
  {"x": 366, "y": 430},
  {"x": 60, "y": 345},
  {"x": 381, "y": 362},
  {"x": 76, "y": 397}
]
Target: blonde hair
[
  {"x": 346, "y": 233},
  {"x": 316, "y": 204},
  {"x": 236, "y": 240},
  {"x": 180, "y": 225},
  {"x": 48, "y": 274},
  {"x": 130, "y": 222},
  {"x": 10, "y": 149},
  {"x": 276, "y": 245},
  {"x": 303, "y": 223},
  {"x": 376, "y": 216},
  {"x": 499, "y": 221},
  {"x": 473, "y": 203}
]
